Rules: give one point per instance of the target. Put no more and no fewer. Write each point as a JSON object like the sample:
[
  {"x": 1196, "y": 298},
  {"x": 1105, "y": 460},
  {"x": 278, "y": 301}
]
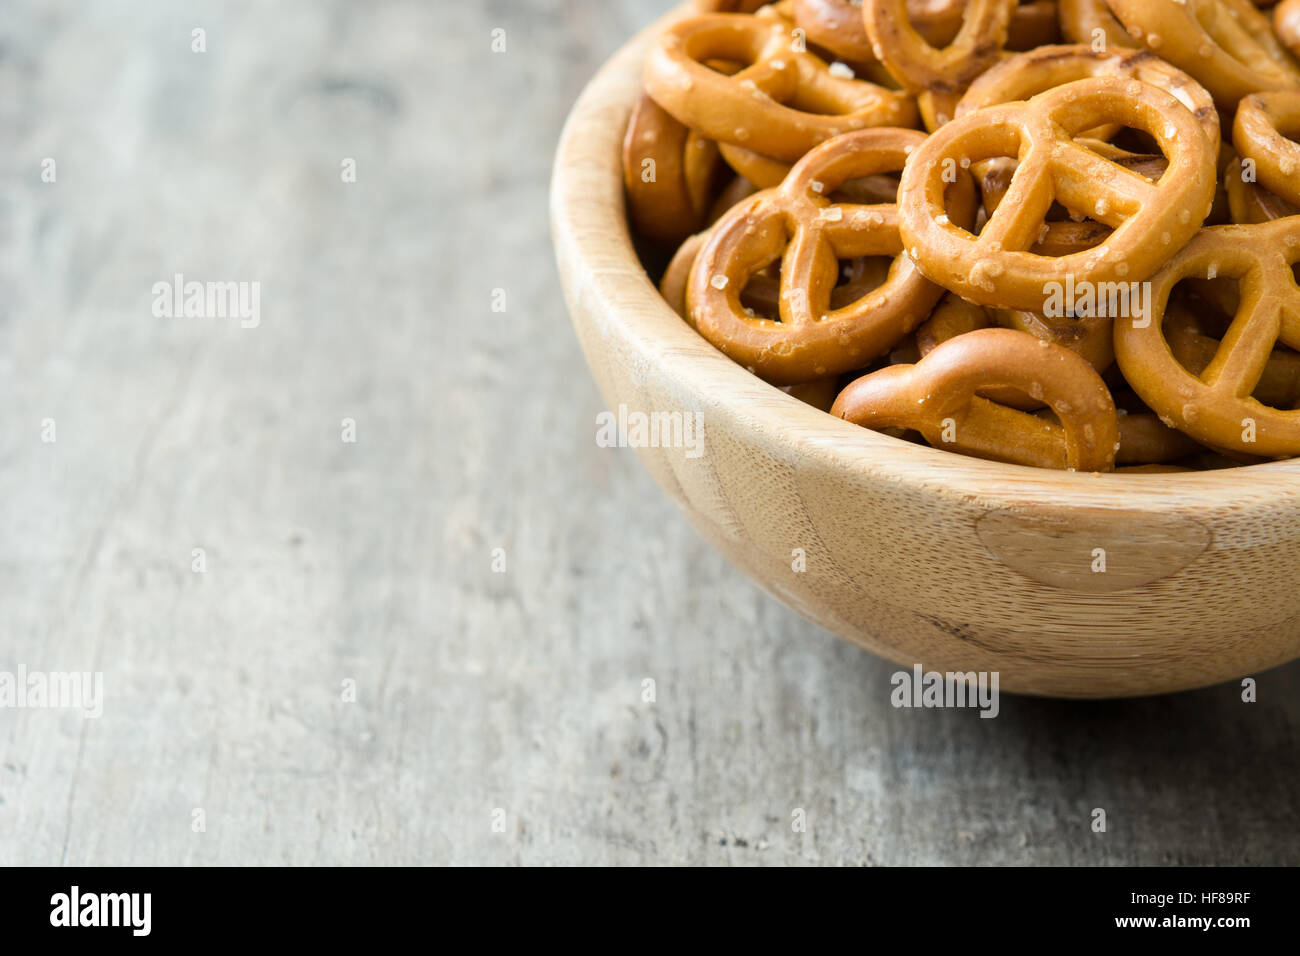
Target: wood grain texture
[{"x": 372, "y": 561}]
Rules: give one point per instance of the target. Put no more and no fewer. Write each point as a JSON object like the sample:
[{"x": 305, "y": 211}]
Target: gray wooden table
[{"x": 347, "y": 679}]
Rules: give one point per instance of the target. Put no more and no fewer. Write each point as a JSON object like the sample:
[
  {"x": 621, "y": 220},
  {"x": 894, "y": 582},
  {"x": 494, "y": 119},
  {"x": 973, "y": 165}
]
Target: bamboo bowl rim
[{"x": 602, "y": 270}]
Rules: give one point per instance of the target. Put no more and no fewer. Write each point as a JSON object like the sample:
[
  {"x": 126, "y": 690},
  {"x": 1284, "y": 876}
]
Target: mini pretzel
[
  {"x": 938, "y": 76},
  {"x": 1216, "y": 405},
  {"x": 1150, "y": 220},
  {"x": 762, "y": 294},
  {"x": 1260, "y": 132},
  {"x": 1286, "y": 24},
  {"x": 837, "y": 25},
  {"x": 1065, "y": 237},
  {"x": 1143, "y": 438},
  {"x": 1227, "y": 45},
  {"x": 938, "y": 397},
  {"x": 1088, "y": 336},
  {"x": 799, "y": 224},
  {"x": 1092, "y": 23},
  {"x": 669, "y": 172},
  {"x": 781, "y": 104},
  {"x": 768, "y": 173},
  {"x": 952, "y": 317},
  {"x": 1025, "y": 75},
  {"x": 1279, "y": 384}
]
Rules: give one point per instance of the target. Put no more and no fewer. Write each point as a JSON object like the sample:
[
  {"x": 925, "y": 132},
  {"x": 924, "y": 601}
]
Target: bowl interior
[{"x": 591, "y": 232}]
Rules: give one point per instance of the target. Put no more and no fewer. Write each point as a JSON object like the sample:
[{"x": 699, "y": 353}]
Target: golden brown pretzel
[
  {"x": 953, "y": 316},
  {"x": 769, "y": 173},
  {"x": 1089, "y": 336},
  {"x": 762, "y": 294},
  {"x": 1261, "y": 132},
  {"x": 1279, "y": 384},
  {"x": 781, "y": 104},
  {"x": 937, "y": 75},
  {"x": 1091, "y": 22},
  {"x": 1143, "y": 438},
  {"x": 670, "y": 173},
  {"x": 1022, "y": 76},
  {"x": 1227, "y": 45},
  {"x": 837, "y": 26},
  {"x": 1066, "y": 236},
  {"x": 1025, "y": 75},
  {"x": 1215, "y": 405},
  {"x": 1286, "y": 24},
  {"x": 1151, "y": 221},
  {"x": 763, "y": 171},
  {"x": 800, "y": 225},
  {"x": 938, "y": 397}
]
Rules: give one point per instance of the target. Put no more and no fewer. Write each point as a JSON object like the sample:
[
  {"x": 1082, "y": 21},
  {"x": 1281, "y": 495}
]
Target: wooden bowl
[{"x": 920, "y": 555}]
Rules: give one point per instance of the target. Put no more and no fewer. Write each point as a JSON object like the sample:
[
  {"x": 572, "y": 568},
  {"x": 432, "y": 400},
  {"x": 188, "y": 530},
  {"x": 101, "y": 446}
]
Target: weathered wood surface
[{"x": 372, "y": 561}]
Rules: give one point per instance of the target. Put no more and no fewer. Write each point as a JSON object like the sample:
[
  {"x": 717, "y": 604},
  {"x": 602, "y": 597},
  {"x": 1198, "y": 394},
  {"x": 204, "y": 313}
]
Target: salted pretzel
[
  {"x": 800, "y": 225},
  {"x": 768, "y": 173},
  {"x": 1024, "y": 75},
  {"x": 762, "y": 294},
  {"x": 1092, "y": 23},
  {"x": 669, "y": 172},
  {"x": 1143, "y": 438},
  {"x": 1279, "y": 383},
  {"x": 955, "y": 316},
  {"x": 1216, "y": 405},
  {"x": 1261, "y": 132},
  {"x": 1227, "y": 45},
  {"x": 1027, "y": 74},
  {"x": 1066, "y": 236},
  {"x": 1151, "y": 221},
  {"x": 1089, "y": 336},
  {"x": 1286, "y": 24},
  {"x": 781, "y": 104},
  {"x": 937, "y": 75},
  {"x": 938, "y": 397}
]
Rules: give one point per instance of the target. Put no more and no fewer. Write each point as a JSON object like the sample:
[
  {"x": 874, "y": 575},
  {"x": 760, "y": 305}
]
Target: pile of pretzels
[{"x": 1058, "y": 233}]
